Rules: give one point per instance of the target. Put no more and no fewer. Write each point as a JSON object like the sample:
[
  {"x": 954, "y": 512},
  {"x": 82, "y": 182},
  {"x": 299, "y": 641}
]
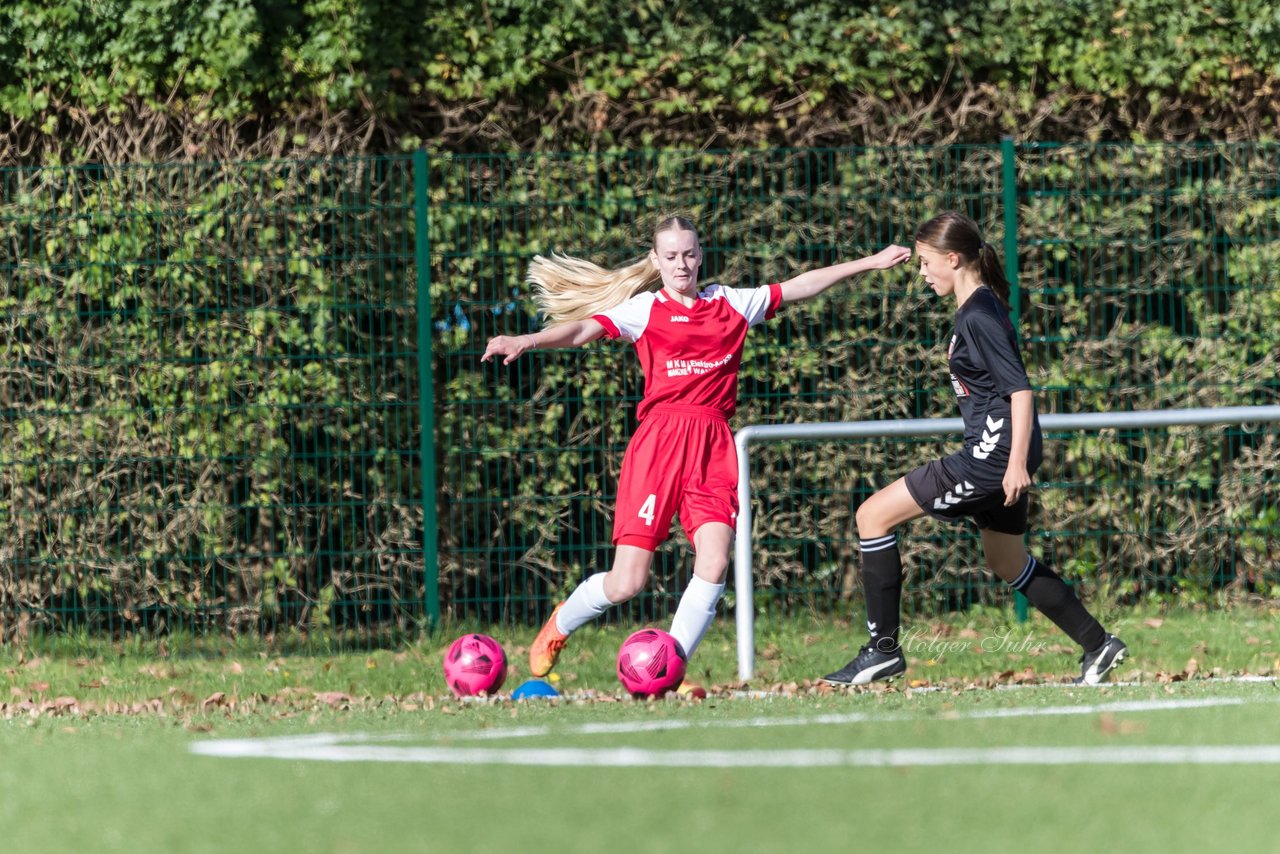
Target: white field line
[
  {"x": 629, "y": 757},
  {"x": 748, "y": 694},
  {"x": 330, "y": 747},
  {"x": 845, "y": 718}
]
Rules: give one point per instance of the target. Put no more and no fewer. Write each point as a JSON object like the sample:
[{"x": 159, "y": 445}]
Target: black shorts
[{"x": 954, "y": 488}]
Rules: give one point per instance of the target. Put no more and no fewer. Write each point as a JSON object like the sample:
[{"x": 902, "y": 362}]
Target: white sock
[
  {"x": 694, "y": 614},
  {"x": 584, "y": 604}
]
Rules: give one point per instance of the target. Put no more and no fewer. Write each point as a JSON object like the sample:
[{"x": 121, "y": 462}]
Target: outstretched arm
[
  {"x": 572, "y": 334},
  {"x": 814, "y": 282}
]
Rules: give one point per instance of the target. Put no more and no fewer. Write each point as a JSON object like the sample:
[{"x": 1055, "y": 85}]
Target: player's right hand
[{"x": 508, "y": 346}]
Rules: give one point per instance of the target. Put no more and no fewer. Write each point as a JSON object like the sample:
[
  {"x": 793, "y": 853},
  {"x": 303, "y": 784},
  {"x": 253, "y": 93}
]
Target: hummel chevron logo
[
  {"x": 954, "y": 496},
  {"x": 990, "y": 438}
]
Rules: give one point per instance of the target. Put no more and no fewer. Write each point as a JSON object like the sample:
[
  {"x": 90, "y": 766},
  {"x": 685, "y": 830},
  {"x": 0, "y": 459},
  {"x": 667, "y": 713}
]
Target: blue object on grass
[{"x": 534, "y": 688}]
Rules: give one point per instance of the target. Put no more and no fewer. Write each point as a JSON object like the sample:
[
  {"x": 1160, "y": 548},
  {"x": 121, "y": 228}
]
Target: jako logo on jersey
[{"x": 679, "y": 318}]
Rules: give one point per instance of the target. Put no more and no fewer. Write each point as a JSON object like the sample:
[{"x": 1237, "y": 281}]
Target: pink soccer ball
[
  {"x": 651, "y": 663},
  {"x": 475, "y": 664}
]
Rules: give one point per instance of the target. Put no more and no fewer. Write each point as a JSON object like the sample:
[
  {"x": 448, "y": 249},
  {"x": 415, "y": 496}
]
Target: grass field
[{"x": 981, "y": 748}]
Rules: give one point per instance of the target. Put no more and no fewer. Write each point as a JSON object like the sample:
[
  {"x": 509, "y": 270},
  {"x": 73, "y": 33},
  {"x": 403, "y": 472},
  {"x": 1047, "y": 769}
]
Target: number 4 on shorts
[{"x": 646, "y": 509}]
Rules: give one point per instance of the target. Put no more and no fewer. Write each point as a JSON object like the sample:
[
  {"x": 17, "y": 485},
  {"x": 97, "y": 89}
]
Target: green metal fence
[
  {"x": 220, "y": 381},
  {"x": 1145, "y": 280},
  {"x": 210, "y": 408}
]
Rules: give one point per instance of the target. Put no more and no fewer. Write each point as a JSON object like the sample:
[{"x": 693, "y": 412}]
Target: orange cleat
[
  {"x": 546, "y": 647},
  {"x": 691, "y": 691}
]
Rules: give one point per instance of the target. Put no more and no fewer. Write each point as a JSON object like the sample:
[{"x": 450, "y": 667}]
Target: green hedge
[
  {"x": 371, "y": 75},
  {"x": 1148, "y": 272},
  {"x": 209, "y": 388}
]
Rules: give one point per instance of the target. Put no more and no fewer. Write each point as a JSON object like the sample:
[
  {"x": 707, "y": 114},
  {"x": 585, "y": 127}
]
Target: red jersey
[{"x": 690, "y": 356}]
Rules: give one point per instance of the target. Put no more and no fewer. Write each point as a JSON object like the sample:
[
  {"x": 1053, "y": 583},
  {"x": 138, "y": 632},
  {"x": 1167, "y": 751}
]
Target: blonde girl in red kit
[{"x": 682, "y": 457}]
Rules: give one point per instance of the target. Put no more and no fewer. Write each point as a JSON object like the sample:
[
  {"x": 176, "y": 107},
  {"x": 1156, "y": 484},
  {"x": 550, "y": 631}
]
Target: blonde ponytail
[{"x": 570, "y": 288}]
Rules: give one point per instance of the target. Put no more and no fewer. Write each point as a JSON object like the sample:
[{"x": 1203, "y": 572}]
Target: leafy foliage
[
  {"x": 368, "y": 75},
  {"x": 183, "y": 345},
  {"x": 184, "y": 348}
]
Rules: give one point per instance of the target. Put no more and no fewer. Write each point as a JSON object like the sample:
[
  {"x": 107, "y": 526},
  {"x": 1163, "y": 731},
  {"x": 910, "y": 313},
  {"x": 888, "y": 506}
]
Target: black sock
[
  {"x": 1057, "y": 601},
  {"x": 882, "y": 586}
]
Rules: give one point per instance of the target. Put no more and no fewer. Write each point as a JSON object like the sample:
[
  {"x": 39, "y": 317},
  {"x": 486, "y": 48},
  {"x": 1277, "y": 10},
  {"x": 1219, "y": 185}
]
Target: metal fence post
[
  {"x": 426, "y": 386},
  {"x": 1009, "y": 185}
]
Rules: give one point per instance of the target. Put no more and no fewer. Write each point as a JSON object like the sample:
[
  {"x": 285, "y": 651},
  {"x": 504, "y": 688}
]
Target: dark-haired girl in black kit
[{"x": 987, "y": 480}]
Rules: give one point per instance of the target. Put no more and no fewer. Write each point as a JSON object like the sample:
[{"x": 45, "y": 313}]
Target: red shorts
[{"x": 681, "y": 459}]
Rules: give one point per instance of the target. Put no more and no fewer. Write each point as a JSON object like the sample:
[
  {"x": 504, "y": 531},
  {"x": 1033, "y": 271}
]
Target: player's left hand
[
  {"x": 1016, "y": 483},
  {"x": 890, "y": 256}
]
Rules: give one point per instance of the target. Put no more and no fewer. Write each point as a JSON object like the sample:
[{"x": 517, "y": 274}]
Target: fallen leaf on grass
[
  {"x": 1017, "y": 677},
  {"x": 59, "y": 705},
  {"x": 1153, "y": 622},
  {"x": 179, "y": 697},
  {"x": 334, "y": 699}
]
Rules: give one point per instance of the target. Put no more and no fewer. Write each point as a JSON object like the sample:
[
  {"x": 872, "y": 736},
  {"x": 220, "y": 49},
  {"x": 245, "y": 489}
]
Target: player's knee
[
  {"x": 869, "y": 522},
  {"x": 623, "y": 584},
  {"x": 1006, "y": 570},
  {"x": 712, "y": 568}
]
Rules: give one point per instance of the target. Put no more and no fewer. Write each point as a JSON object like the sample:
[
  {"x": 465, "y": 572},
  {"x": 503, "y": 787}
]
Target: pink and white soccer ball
[
  {"x": 475, "y": 664},
  {"x": 651, "y": 663}
]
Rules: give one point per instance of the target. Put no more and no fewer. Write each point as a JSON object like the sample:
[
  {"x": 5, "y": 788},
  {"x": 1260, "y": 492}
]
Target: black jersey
[{"x": 986, "y": 369}]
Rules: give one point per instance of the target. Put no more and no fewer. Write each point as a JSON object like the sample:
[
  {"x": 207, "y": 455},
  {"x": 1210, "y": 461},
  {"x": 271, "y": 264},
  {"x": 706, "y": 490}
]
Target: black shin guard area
[
  {"x": 1057, "y": 601},
  {"x": 882, "y": 586}
]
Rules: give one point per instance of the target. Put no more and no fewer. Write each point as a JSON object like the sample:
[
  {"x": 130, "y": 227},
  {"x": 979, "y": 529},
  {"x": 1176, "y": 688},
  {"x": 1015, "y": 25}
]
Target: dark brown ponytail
[{"x": 954, "y": 232}]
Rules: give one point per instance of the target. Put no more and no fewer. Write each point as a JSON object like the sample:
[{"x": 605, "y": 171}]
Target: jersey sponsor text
[{"x": 685, "y": 367}]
